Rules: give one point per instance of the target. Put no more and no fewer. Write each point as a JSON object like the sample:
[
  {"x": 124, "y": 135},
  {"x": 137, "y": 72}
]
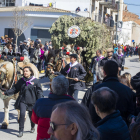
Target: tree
[
  {"x": 19, "y": 23},
  {"x": 125, "y": 36},
  {"x": 93, "y": 35}
]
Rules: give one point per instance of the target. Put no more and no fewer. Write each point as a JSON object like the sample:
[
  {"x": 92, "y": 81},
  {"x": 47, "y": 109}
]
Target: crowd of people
[
  {"x": 34, "y": 50},
  {"x": 128, "y": 51},
  {"x": 109, "y": 109}
]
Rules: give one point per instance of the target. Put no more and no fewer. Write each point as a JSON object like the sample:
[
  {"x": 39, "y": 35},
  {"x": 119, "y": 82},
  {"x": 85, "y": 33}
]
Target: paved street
[{"x": 132, "y": 65}]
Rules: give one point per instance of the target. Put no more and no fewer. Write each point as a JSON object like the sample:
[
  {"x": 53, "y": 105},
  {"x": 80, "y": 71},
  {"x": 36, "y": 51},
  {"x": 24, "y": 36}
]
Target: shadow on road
[
  {"x": 135, "y": 60},
  {"x": 11, "y": 116},
  {"x": 10, "y": 131}
]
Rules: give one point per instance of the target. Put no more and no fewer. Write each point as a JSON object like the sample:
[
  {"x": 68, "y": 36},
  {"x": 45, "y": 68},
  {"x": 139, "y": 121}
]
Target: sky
[{"x": 133, "y": 9}]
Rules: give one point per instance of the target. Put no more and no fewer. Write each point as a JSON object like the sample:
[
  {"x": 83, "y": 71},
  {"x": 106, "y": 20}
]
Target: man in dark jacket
[
  {"x": 43, "y": 107},
  {"x": 109, "y": 57},
  {"x": 77, "y": 73},
  {"x": 112, "y": 126},
  {"x": 135, "y": 82},
  {"x": 125, "y": 102},
  {"x": 94, "y": 66},
  {"x": 119, "y": 57}
]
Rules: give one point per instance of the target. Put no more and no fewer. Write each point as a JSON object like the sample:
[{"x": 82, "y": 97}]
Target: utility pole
[{"x": 117, "y": 21}]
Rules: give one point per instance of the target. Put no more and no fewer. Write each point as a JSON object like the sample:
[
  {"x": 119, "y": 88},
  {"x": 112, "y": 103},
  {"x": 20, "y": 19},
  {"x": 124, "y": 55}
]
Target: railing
[
  {"x": 108, "y": 2},
  {"x": 99, "y": 18}
]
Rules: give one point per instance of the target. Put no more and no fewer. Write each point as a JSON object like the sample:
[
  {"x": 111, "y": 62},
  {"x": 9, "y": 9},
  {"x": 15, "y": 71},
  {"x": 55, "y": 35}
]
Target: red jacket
[
  {"x": 125, "y": 49},
  {"x": 42, "y": 113}
]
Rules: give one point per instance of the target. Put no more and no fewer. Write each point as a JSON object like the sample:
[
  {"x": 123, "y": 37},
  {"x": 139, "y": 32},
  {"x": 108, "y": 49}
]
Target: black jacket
[
  {"x": 22, "y": 47},
  {"x": 120, "y": 60},
  {"x": 75, "y": 72},
  {"x": 125, "y": 104},
  {"x": 31, "y": 52},
  {"x": 30, "y": 93},
  {"x": 104, "y": 60},
  {"x": 113, "y": 127},
  {"x": 135, "y": 82}
]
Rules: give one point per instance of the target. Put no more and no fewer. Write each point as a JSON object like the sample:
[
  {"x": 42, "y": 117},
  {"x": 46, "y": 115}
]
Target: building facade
[
  {"x": 130, "y": 33},
  {"x": 44, "y": 13}
]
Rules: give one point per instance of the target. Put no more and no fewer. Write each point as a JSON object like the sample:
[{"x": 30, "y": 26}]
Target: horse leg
[
  {"x": 6, "y": 111},
  {"x": 19, "y": 115}
]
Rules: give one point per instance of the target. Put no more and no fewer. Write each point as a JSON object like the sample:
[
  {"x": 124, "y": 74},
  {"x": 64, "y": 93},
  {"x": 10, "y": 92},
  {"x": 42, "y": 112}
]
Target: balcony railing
[
  {"x": 108, "y": 3},
  {"x": 99, "y": 18},
  {"x": 4, "y": 3}
]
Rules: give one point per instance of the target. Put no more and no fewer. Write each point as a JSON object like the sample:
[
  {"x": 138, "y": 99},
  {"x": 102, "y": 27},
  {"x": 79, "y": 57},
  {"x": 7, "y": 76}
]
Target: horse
[{"x": 9, "y": 75}]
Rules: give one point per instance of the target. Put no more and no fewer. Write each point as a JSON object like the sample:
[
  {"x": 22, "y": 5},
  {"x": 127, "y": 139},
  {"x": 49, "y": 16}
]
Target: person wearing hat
[
  {"x": 119, "y": 57},
  {"x": 22, "y": 47},
  {"x": 2, "y": 40},
  {"x": 109, "y": 57},
  {"x": 75, "y": 72},
  {"x": 94, "y": 66}
]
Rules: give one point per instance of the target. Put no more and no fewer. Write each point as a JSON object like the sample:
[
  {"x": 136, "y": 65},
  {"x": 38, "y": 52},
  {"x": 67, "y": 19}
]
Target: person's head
[
  {"x": 50, "y": 42},
  {"x": 98, "y": 53},
  {"x": 60, "y": 85},
  {"x": 71, "y": 121},
  {"x": 9, "y": 45},
  {"x": 41, "y": 46},
  {"x": 25, "y": 42},
  {"x": 20, "y": 43},
  {"x": 10, "y": 48},
  {"x": 31, "y": 44},
  {"x": 110, "y": 68},
  {"x": 39, "y": 40},
  {"x": 27, "y": 72},
  {"x": 65, "y": 43},
  {"x": 2, "y": 37},
  {"x": 6, "y": 36},
  {"x": 104, "y": 100},
  {"x": 128, "y": 76},
  {"x": 46, "y": 43},
  {"x": 125, "y": 81},
  {"x": 135, "y": 131},
  {"x": 119, "y": 50},
  {"x": 73, "y": 58},
  {"x": 109, "y": 52}
]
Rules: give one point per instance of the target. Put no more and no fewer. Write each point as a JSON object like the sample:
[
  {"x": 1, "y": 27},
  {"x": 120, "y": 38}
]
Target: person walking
[
  {"x": 60, "y": 85},
  {"x": 30, "y": 90},
  {"x": 109, "y": 57},
  {"x": 95, "y": 64},
  {"x": 31, "y": 52},
  {"x": 125, "y": 103},
  {"x": 119, "y": 57},
  {"x": 75, "y": 72},
  {"x": 41, "y": 62},
  {"x": 111, "y": 126}
]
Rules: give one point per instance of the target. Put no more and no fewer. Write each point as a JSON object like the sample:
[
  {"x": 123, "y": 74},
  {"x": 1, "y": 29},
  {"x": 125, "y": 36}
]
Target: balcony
[
  {"x": 99, "y": 18},
  {"x": 5, "y": 3},
  {"x": 108, "y": 3}
]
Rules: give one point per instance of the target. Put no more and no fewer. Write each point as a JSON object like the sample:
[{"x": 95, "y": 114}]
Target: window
[
  {"x": 10, "y": 2},
  {"x": 116, "y": 18}
]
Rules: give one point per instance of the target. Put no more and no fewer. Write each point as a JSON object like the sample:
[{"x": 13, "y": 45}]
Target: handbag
[{"x": 17, "y": 103}]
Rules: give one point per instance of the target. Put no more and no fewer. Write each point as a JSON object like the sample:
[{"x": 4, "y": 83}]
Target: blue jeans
[
  {"x": 124, "y": 54},
  {"x": 128, "y": 54}
]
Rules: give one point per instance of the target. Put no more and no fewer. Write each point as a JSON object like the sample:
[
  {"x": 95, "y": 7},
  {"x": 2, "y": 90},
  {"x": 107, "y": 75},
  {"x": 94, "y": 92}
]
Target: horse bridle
[{"x": 3, "y": 77}]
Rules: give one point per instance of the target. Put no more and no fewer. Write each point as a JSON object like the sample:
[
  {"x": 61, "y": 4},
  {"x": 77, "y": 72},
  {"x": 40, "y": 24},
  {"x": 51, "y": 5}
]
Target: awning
[{"x": 44, "y": 28}]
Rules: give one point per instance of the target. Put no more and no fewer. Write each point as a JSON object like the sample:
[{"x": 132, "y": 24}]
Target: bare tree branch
[{"x": 19, "y": 23}]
